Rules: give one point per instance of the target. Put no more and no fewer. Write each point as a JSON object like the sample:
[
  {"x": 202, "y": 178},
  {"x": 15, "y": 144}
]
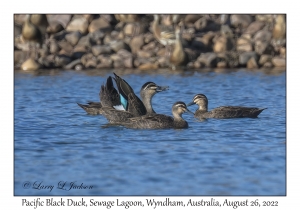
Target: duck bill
[
  {"x": 190, "y": 104},
  {"x": 188, "y": 111},
  {"x": 161, "y": 88}
]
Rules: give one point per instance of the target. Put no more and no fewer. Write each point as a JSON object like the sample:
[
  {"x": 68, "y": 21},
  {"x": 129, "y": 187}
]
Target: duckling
[
  {"x": 178, "y": 57},
  {"x": 133, "y": 108},
  {"x": 223, "y": 111},
  {"x": 160, "y": 121},
  {"x": 109, "y": 97}
]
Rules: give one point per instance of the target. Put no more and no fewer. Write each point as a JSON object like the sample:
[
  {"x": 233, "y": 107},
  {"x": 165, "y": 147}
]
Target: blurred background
[{"x": 149, "y": 41}]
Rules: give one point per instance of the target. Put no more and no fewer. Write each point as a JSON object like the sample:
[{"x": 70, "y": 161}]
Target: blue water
[{"x": 57, "y": 143}]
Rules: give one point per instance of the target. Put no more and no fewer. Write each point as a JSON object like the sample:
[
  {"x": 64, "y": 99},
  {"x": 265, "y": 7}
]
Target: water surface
[{"x": 57, "y": 143}]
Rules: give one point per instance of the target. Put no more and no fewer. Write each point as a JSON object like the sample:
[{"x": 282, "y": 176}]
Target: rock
[
  {"x": 79, "y": 51},
  {"x": 89, "y": 17},
  {"x": 54, "y": 27},
  {"x": 104, "y": 66},
  {"x": 118, "y": 64},
  {"x": 244, "y": 45},
  {"x": 91, "y": 63},
  {"x": 136, "y": 43},
  {"x": 144, "y": 54},
  {"x": 264, "y": 59},
  {"x": 85, "y": 41},
  {"x": 252, "y": 64},
  {"x": 73, "y": 37},
  {"x": 254, "y": 27},
  {"x": 208, "y": 59},
  {"x": 148, "y": 66},
  {"x": 127, "y": 58},
  {"x": 19, "y": 57},
  {"x": 226, "y": 30},
  {"x": 279, "y": 61},
  {"x": 282, "y": 51},
  {"x": 86, "y": 57},
  {"x": 245, "y": 56},
  {"x": 240, "y": 20},
  {"x": 201, "y": 23},
  {"x": 148, "y": 37},
  {"x": 190, "y": 65},
  {"x": 99, "y": 24},
  {"x": 223, "y": 44},
  {"x": 139, "y": 61},
  {"x": 118, "y": 45},
  {"x": 264, "y": 18},
  {"x": 263, "y": 35},
  {"x": 105, "y": 62},
  {"x": 78, "y": 24},
  {"x": 197, "y": 65},
  {"x": 161, "y": 52},
  {"x": 279, "y": 29},
  {"x": 262, "y": 47},
  {"x": 65, "y": 53},
  {"x": 107, "y": 39},
  {"x": 191, "y": 18},
  {"x": 54, "y": 47},
  {"x": 66, "y": 46},
  {"x": 30, "y": 65},
  {"x": 150, "y": 46},
  {"x": 72, "y": 64},
  {"x": 268, "y": 65},
  {"x": 63, "y": 20},
  {"x": 62, "y": 60},
  {"x": 129, "y": 29},
  {"x": 221, "y": 64},
  {"x": 163, "y": 62},
  {"x": 97, "y": 36},
  {"x": 101, "y": 49}
]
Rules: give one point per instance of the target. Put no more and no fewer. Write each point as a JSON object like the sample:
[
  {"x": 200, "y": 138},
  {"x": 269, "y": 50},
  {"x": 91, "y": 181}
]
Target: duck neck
[
  {"x": 177, "y": 116},
  {"x": 203, "y": 107},
  {"x": 147, "y": 101}
]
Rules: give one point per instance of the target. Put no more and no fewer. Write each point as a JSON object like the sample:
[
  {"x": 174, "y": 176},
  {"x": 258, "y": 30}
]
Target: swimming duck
[
  {"x": 134, "y": 107},
  {"x": 160, "y": 121},
  {"x": 178, "y": 57},
  {"x": 223, "y": 111},
  {"x": 109, "y": 97}
]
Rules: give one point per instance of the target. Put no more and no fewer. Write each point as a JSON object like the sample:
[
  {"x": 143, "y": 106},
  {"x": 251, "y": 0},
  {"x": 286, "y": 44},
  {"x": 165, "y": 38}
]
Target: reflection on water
[{"x": 57, "y": 142}]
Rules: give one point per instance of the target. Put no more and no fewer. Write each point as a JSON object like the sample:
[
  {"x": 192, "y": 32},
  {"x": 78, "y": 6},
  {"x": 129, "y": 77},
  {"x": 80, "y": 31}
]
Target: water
[{"x": 57, "y": 143}]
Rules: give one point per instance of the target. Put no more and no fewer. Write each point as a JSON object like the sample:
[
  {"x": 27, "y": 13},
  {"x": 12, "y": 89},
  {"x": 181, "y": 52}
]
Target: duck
[
  {"x": 134, "y": 107},
  {"x": 160, "y": 121},
  {"x": 178, "y": 57},
  {"x": 222, "y": 112},
  {"x": 109, "y": 97},
  {"x": 163, "y": 34}
]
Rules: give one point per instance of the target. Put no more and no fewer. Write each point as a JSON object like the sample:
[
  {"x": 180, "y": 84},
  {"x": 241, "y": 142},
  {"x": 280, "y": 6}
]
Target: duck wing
[{"x": 108, "y": 95}]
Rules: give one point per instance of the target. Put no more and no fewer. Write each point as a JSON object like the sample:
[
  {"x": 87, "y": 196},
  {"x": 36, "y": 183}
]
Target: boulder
[
  {"x": 99, "y": 24},
  {"x": 101, "y": 49},
  {"x": 242, "y": 21},
  {"x": 136, "y": 43},
  {"x": 222, "y": 44},
  {"x": 73, "y": 37},
  {"x": 245, "y": 57},
  {"x": 78, "y": 24},
  {"x": 279, "y": 61},
  {"x": 30, "y": 65}
]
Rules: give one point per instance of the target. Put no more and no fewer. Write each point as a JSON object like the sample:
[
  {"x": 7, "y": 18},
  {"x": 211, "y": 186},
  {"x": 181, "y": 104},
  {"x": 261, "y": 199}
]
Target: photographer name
[{"x": 61, "y": 185}]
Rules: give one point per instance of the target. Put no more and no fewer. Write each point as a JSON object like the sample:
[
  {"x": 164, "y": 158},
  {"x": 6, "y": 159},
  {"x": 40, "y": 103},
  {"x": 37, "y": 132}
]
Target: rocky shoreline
[{"x": 149, "y": 41}]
